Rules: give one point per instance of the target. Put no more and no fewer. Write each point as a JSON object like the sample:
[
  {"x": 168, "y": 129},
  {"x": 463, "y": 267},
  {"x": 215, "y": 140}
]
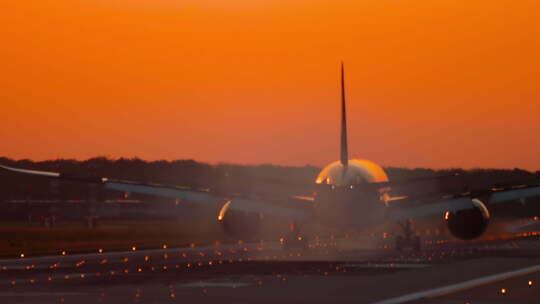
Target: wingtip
[{"x": 31, "y": 172}]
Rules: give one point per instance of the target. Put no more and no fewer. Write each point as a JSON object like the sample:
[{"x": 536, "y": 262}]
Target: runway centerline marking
[{"x": 440, "y": 291}]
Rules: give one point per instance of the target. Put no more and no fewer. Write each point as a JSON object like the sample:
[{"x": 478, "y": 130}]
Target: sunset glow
[{"x": 449, "y": 83}]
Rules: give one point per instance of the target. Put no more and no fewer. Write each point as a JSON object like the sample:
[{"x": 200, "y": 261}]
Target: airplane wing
[
  {"x": 182, "y": 193},
  {"x": 463, "y": 202},
  {"x": 502, "y": 195}
]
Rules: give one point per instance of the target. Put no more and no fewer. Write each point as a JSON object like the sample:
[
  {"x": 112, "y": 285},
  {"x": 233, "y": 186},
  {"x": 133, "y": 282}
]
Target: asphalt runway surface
[{"x": 444, "y": 272}]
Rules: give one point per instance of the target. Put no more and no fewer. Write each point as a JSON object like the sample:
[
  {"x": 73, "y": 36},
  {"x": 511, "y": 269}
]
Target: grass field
[{"x": 73, "y": 237}]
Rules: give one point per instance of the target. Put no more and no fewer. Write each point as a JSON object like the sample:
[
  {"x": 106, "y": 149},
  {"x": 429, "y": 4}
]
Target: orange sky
[{"x": 446, "y": 83}]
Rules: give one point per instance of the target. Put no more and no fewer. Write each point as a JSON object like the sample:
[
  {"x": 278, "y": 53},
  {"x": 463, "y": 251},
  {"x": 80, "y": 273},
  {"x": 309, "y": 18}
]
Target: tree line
[{"x": 228, "y": 178}]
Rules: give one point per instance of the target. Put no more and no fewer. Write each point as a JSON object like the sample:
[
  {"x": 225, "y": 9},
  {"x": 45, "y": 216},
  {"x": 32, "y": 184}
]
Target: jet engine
[
  {"x": 469, "y": 223},
  {"x": 239, "y": 225}
]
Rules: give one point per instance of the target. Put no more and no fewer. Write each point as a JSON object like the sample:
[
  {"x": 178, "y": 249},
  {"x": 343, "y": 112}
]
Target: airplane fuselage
[
  {"x": 348, "y": 208},
  {"x": 342, "y": 198}
]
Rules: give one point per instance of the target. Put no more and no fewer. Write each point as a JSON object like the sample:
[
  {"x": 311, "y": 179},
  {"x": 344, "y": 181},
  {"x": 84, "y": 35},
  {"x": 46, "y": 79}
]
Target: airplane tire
[
  {"x": 399, "y": 243},
  {"x": 417, "y": 244},
  {"x": 293, "y": 243}
]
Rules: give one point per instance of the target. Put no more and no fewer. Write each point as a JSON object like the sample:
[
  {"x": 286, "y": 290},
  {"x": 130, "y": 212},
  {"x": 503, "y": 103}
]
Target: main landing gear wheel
[
  {"x": 413, "y": 242},
  {"x": 294, "y": 240},
  {"x": 408, "y": 239}
]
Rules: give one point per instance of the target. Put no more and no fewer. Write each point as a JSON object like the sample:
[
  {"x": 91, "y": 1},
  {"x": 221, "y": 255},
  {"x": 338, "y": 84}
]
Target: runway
[{"x": 263, "y": 273}]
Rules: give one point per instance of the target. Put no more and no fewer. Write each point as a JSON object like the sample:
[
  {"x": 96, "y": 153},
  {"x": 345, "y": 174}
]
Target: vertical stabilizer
[{"x": 344, "y": 150}]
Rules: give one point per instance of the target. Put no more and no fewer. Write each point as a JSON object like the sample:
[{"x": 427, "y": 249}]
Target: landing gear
[
  {"x": 294, "y": 240},
  {"x": 412, "y": 242},
  {"x": 408, "y": 239}
]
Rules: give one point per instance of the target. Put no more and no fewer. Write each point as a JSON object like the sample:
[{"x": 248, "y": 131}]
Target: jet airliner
[{"x": 351, "y": 194}]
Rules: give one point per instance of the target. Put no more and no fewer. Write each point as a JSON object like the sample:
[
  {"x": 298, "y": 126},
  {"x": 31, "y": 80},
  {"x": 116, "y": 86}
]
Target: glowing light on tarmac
[
  {"x": 201, "y": 258},
  {"x": 503, "y": 291},
  {"x": 530, "y": 283}
]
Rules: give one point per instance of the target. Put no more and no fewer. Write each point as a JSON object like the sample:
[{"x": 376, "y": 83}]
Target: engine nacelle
[
  {"x": 239, "y": 225},
  {"x": 470, "y": 223}
]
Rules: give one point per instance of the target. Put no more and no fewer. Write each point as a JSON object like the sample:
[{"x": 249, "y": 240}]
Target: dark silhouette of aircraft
[{"x": 351, "y": 194}]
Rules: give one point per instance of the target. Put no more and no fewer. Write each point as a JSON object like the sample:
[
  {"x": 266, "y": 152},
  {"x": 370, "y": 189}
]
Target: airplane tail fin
[{"x": 344, "y": 150}]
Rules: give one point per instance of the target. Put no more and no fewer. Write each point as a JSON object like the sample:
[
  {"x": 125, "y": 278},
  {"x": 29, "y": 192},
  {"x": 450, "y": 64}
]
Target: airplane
[{"x": 351, "y": 194}]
